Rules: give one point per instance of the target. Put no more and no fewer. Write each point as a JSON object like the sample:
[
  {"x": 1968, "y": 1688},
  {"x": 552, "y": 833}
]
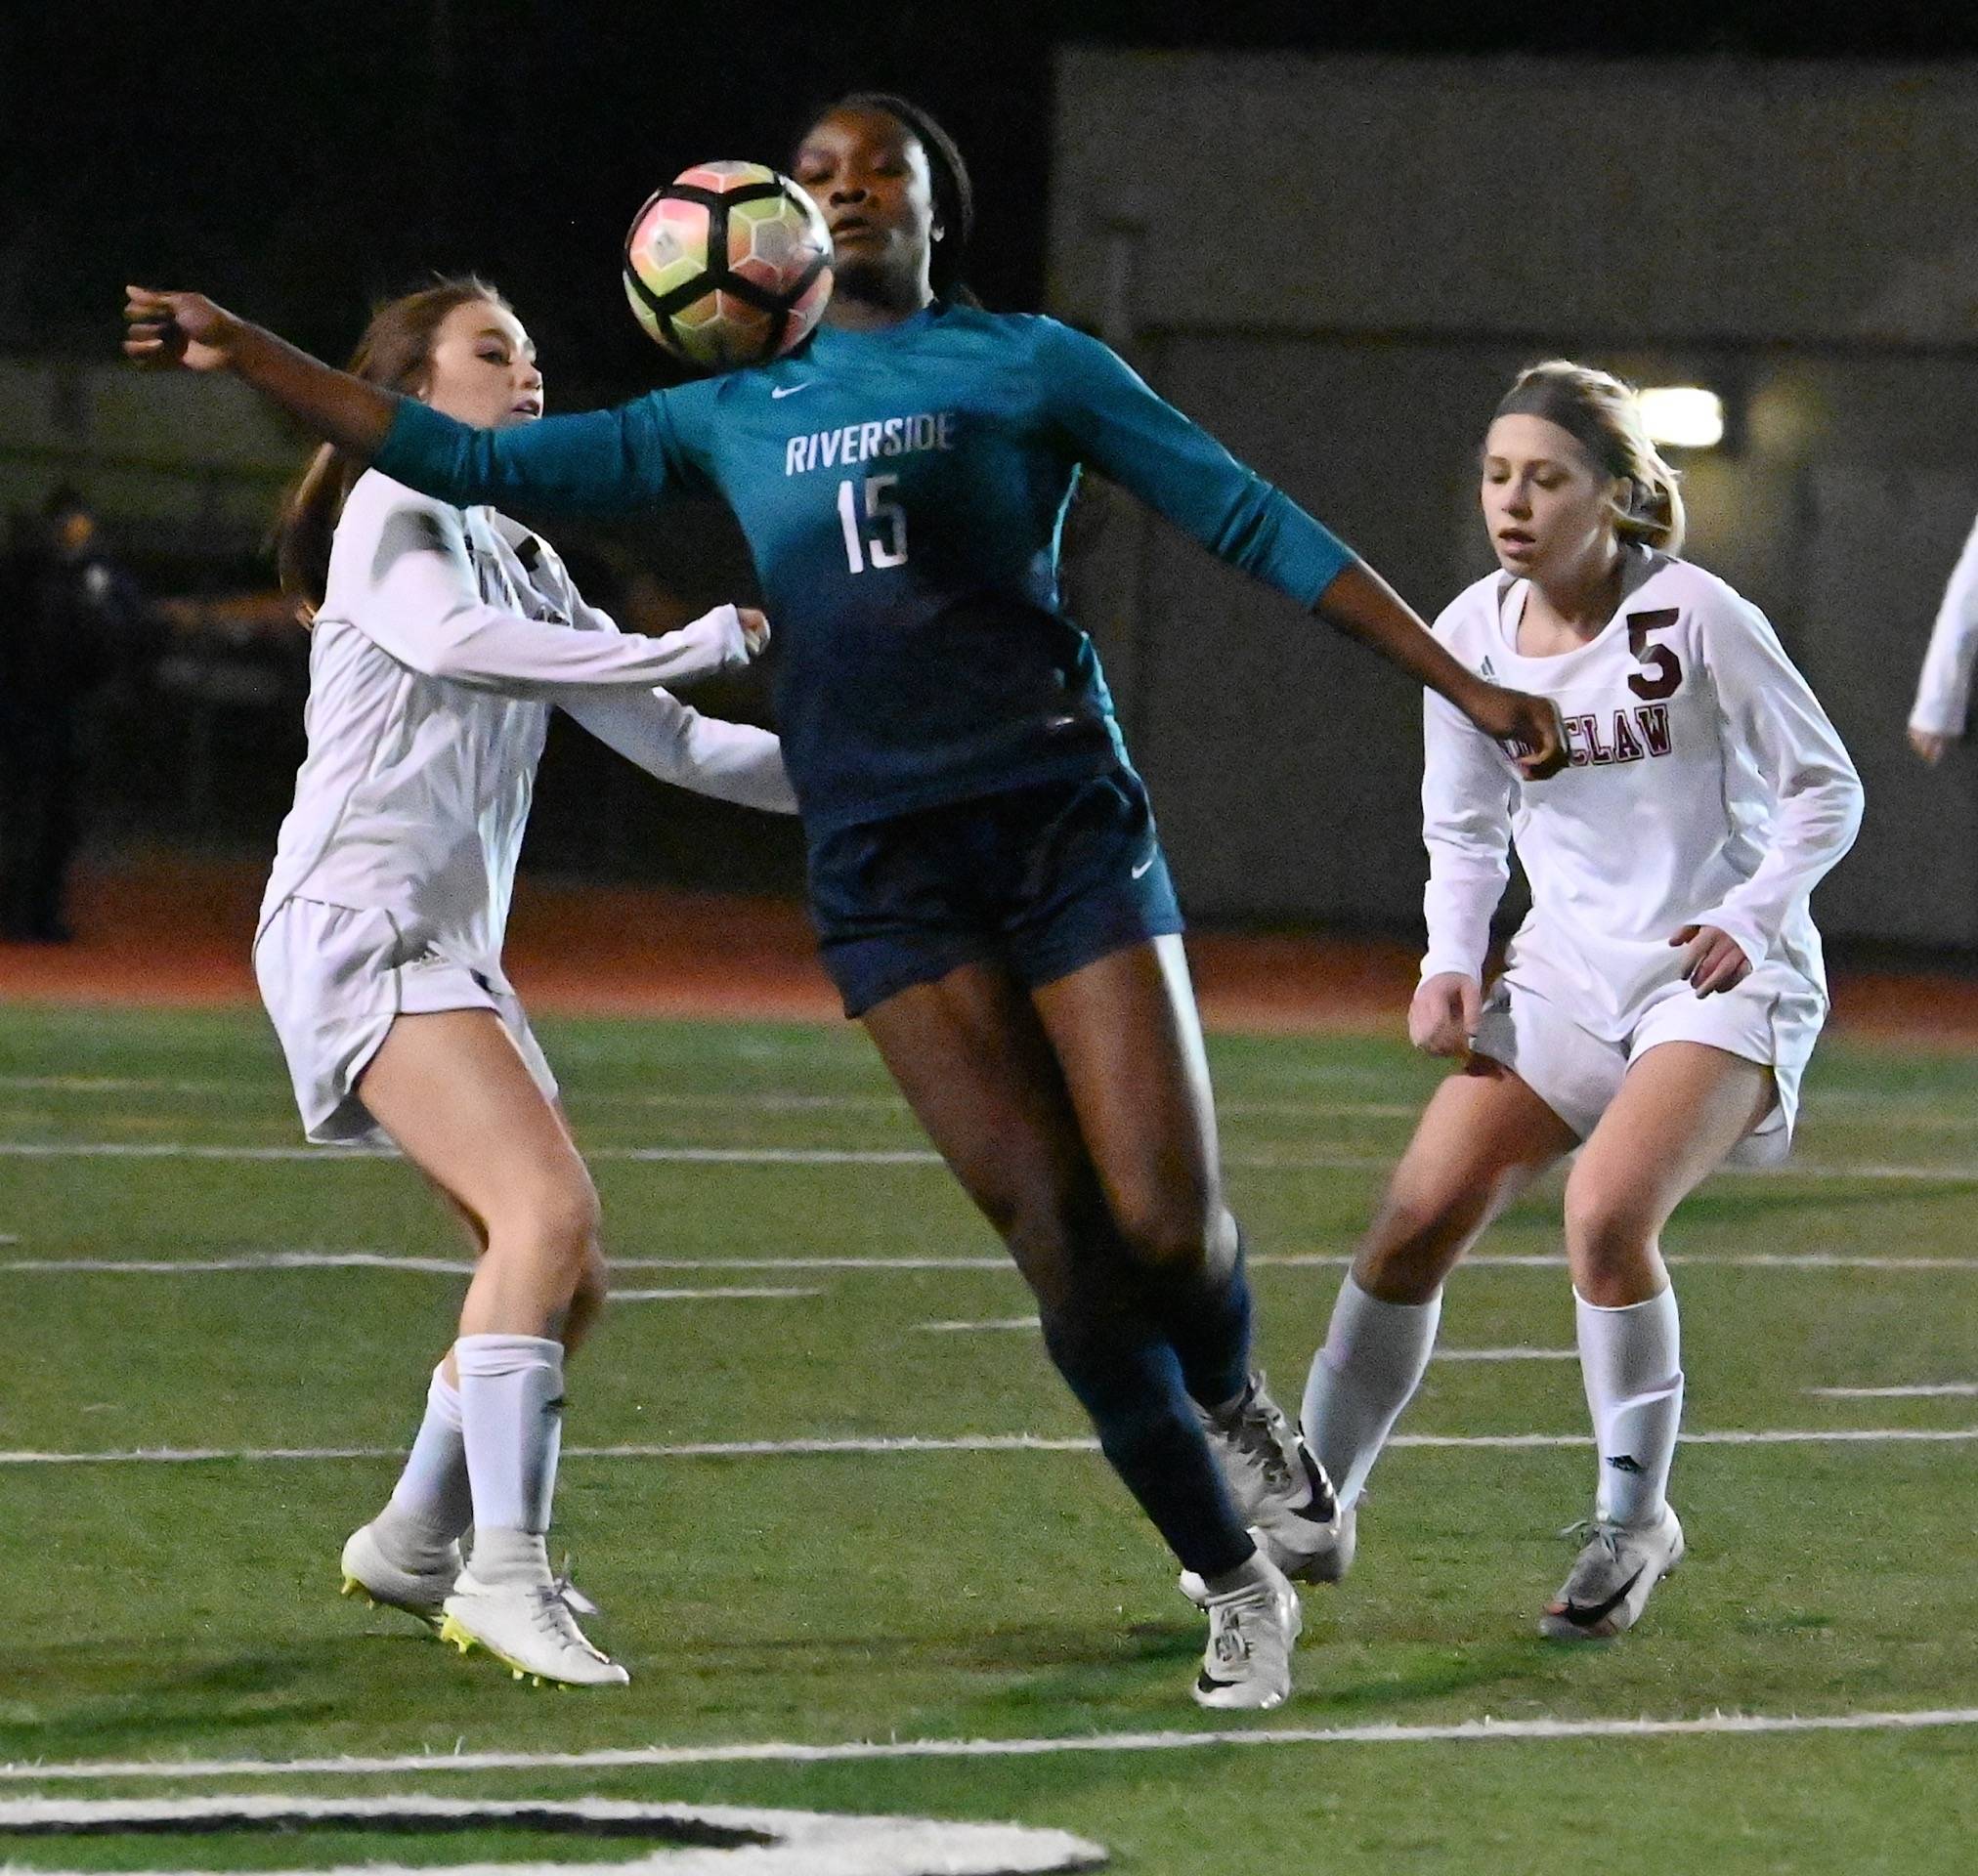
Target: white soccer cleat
[
  {"x": 530, "y": 1628},
  {"x": 370, "y": 1573},
  {"x": 1327, "y": 1563},
  {"x": 1281, "y": 1491},
  {"x": 1610, "y": 1579},
  {"x": 1247, "y": 1664}
]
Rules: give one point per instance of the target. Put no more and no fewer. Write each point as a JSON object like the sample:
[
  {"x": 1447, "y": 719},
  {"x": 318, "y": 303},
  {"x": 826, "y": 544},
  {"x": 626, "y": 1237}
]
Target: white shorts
[
  {"x": 1773, "y": 1017},
  {"x": 334, "y": 979}
]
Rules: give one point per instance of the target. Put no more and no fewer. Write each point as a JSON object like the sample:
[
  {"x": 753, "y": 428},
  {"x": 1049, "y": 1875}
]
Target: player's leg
[
  {"x": 1483, "y": 1137},
  {"x": 453, "y": 1090},
  {"x": 431, "y": 1507},
  {"x": 1681, "y": 1109},
  {"x": 977, "y": 1068},
  {"x": 1128, "y": 1044},
  {"x": 975, "y": 1063}
]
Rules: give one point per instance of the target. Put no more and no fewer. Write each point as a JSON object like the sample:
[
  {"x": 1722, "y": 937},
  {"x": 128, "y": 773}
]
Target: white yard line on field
[
  {"x": 1873, "y": 1172},
  {"x": 779, "y": 1752},
  {"x": 768, "y": 1101},
  {"x": 1442, "y": 1355},
  {"x": 1507, "y": 1355},
  {"x": 737, "y": 1294},
  {"x": 265, "y": 1262},
  {"x": 1938, "y": 1391},
  {"x": 890, "y": 1445}
]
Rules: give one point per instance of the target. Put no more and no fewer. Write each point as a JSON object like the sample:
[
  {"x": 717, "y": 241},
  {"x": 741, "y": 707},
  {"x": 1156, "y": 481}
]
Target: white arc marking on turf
[
  {"x": 781, "y": 1753},
  {"x": 887, "y": 1445},
  {"x": 765, "y": 1843},
  {"x": 1936, "y": 1391}
]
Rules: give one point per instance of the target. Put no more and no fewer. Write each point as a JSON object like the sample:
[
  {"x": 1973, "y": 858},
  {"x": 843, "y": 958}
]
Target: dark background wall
[
  {"x": 1413, "y": 233},
  {"x": 1333, "y": 263}
]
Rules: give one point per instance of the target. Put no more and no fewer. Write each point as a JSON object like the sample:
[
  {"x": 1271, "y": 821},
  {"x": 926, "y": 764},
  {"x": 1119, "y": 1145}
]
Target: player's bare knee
[
  {"x": 1411, "y": 1249},
  {"x": 1608, "y": 1236},
  {"x": 1172, "y": 1235},
  {"x": 560, "y": 1220}
]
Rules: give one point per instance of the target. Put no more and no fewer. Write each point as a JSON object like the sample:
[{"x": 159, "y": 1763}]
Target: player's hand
[
  {"x": 1443, "y": 1017},
  {"x": 1712, "y": 959},
  {"x": 1530, "y": 725},
  {"x": 1930, "y": 744},
  {"x": 755, "y": 630},
  {"x": 187, "y": 329}
]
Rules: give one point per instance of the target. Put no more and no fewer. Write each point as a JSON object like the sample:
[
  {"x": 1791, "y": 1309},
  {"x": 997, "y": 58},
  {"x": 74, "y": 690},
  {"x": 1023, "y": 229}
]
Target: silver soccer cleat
[
  {"x": 370, "y": 1573},
  {"x": 1608, "y": 1584},
  {"x": 1281, "y": 1491},
  {"x": 531, "y": 1629},
  {"x": 1247, "y": 1664}
]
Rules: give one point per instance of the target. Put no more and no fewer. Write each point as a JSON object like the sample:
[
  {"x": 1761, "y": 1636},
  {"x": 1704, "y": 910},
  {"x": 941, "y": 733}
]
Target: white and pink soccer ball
[{"x": 728, "y": 265}]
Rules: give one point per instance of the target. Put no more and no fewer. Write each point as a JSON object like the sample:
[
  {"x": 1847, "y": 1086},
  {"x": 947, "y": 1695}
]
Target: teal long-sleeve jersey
[{"x": 903, "y": 493}]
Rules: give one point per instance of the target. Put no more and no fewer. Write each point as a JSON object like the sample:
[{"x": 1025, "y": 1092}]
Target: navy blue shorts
[{"x": 1044, "y": 880}]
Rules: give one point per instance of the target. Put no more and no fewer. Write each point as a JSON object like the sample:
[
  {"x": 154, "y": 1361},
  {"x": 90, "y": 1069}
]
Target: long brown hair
[{"x": 396, "y": 351}]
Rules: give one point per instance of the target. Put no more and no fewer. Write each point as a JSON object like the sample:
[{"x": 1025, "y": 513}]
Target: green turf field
[{"x": 164, "y": 1610}]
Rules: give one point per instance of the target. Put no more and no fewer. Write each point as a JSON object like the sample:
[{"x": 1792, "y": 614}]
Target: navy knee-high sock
[
  {"x": 1207, "y": 1319},
  {"x": 1127, "y": 1378}
]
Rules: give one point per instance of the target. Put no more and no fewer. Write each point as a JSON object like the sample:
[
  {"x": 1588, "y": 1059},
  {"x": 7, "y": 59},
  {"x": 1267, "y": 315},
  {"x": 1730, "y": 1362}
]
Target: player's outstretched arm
[
  {"x": 668, "y": 739},
  {"x": 1360, "y": 604},
  {"x": 1112, "y": 419},
  {"x": 187, "y": 331}
]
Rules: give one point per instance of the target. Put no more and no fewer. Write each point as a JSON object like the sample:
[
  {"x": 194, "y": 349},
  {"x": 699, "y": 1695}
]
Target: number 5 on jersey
[
  {"x": 1658, "y": 659},
  {"x": 884, "y": 515}
]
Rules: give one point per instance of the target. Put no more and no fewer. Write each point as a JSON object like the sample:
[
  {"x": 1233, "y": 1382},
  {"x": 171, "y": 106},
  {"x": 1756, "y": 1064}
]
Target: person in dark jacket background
[{"x": 68, "y": 611}]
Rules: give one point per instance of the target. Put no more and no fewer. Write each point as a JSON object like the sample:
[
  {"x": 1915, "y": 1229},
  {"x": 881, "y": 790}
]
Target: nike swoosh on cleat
[
  {"x": 1586, "y": 1615},
  {"x": 1321, "y": 1491},
  {"x": 1208, "y": 1682}
]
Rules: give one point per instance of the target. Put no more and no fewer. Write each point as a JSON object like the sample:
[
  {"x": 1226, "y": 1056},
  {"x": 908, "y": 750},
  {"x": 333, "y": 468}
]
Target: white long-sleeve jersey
[
  {"x": 1706, "y": 787},
  {"x": 1943, "y": 689},
  {"x": 443, "y": 638}
]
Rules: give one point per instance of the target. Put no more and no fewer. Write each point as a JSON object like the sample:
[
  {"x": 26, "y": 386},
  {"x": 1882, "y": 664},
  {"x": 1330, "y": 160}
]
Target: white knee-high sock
[
  {"x": 431, "y": 1507},
  {"x": 1373, "y": 1360},
  {"x": 1631, "y": 1360},
  {"x": 511, "y": 1403}
]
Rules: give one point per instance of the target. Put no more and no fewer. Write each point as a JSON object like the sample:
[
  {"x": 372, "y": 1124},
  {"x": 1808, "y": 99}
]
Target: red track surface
[{"x": 173, "y": 931}]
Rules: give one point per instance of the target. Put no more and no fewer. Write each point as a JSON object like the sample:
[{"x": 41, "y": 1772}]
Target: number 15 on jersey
[{"x": 886, "y": 542}]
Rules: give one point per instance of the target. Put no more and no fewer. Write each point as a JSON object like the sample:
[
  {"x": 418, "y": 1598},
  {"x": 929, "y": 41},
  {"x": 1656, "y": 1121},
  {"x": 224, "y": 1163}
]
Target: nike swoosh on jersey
[
  {"x": 1143, "y": 866},
  {"x": 790, "y": 390}
]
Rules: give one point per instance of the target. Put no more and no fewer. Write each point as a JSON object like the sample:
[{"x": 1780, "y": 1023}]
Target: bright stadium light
[{"x": 1683, "y": 415}]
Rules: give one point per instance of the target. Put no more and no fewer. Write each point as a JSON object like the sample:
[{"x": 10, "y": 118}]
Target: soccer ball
[{"x": 729, "y": 263}]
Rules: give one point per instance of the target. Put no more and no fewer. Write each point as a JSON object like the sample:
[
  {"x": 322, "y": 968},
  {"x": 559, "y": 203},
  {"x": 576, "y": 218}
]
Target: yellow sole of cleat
[{"x": 452, "y": 1630}]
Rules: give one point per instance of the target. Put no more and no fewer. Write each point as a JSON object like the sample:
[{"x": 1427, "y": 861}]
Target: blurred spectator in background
[
  {"x": 1944, "y": 690},
  {"x": 69, "y": 614}
]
